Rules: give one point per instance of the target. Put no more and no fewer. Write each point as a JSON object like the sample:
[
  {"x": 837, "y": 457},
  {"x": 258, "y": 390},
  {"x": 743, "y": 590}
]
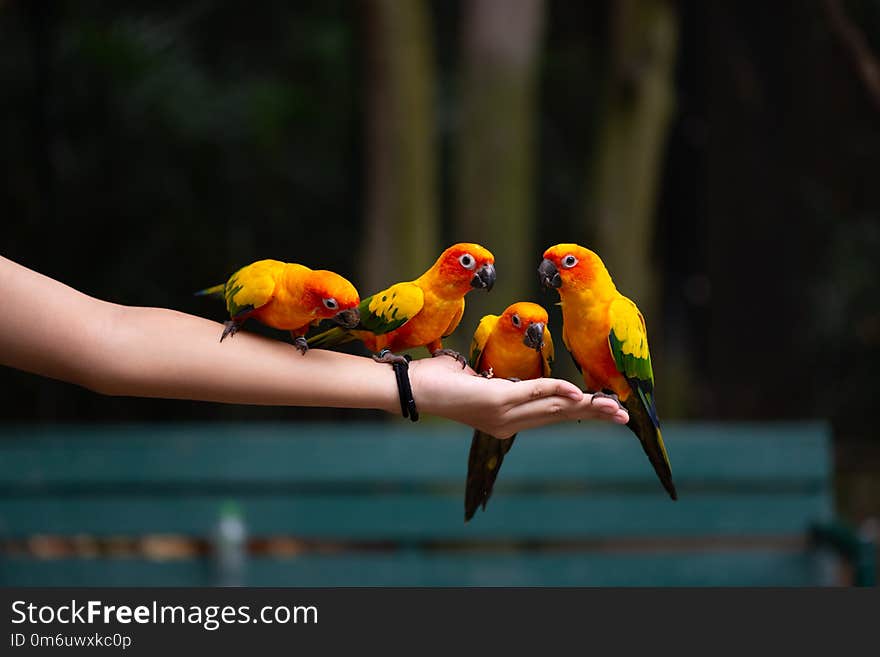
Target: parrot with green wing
[
  {"x": 606, "y": 335},
  {"x": 286, "y": 296},
  {"x": 421, "y": 312},
  {"x": 515, "y": 345}
]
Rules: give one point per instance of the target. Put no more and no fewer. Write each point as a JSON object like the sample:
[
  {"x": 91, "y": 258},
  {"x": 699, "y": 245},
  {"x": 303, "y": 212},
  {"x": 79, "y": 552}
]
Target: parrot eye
[
  {"x": 569, "y": 261},
  {"x": 331, "y": 304},
  {"x": 467, "y": 261},
  {"x": 516, "y": 321}
]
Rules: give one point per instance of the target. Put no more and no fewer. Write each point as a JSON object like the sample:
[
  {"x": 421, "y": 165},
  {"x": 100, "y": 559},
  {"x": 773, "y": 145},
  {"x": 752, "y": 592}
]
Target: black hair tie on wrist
[{"x": 404, "y": 389}]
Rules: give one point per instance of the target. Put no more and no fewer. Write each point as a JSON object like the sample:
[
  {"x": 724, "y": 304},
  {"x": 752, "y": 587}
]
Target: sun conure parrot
[
  {"x": 286, "y": 296},
  {"x": 516, "y": 345},
  {"x": 606, "y": 335},
  {"x": 419, "y": 313}
]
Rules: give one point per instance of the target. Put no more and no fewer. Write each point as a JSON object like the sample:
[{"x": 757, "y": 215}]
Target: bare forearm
[{"x": 174, "y": 355}]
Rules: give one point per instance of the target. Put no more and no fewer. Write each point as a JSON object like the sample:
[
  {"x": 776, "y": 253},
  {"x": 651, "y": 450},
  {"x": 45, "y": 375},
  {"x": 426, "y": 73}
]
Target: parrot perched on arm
[
  {"x": 418, "y": 313},
  {"x": 607, "y": 337},
  {"x": 286, "y": 296},
  {"x": 516, "y": 345}
]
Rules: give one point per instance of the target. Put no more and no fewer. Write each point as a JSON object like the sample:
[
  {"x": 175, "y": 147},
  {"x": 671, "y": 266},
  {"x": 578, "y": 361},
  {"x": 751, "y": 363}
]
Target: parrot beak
[
  {"x": 348, "y": 318},
  {"x": 549, "y": 275},
  {"x": 484, "y": 278},
  {"x": 534, "y": 338}
]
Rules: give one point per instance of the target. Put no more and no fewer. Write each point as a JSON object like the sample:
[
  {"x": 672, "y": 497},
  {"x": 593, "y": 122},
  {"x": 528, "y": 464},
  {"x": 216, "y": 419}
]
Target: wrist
[
  {"x": 388, "y": 398},
  {"x": 417, "y": 384}
]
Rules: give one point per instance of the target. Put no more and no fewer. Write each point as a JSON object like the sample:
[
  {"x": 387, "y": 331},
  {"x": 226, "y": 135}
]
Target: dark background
[{"x": 723, "y": 157}]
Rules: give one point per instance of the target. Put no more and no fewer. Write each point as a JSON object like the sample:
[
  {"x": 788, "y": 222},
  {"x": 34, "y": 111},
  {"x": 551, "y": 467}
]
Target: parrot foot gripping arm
[
  {"x": 389, "y": 358},
  {"x": 450, "y": 352},
  {"x": 400, "y": 365},
  {"x": 230, "y": 327},
  {"x": 299, "y": 341},
  {"x": 606, "y": 395}
]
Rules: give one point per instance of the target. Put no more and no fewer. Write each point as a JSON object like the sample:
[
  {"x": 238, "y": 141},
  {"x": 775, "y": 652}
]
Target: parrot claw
[
  {"x": 389, "y": 358},
  {"x": 450, "y": 352},
  {"x": 300, "y": 343},
  {"x": 230, "y": 327},
  {"x": 514, "y": 379},
  {"x": 606, "y": 395},
  {"x": 487, "y": 374}
]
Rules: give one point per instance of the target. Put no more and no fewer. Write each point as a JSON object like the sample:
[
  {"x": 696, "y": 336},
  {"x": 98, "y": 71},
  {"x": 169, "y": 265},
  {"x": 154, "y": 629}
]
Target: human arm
[{"x": 61, "y": 333}]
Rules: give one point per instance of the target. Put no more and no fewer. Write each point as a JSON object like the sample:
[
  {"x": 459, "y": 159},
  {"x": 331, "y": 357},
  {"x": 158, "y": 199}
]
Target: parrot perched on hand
[
  {"x": 606, "y": 335},
  {"x": 286, "y": 296},
  {"x": 420, "y": 312},
  {"x": 516, "y": 345}
]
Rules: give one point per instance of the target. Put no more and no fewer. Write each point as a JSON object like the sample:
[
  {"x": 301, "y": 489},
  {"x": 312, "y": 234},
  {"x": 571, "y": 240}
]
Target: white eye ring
[
  {"x": 331, "y": 304},
  {"x": 516, "y": 321},
  {"x": 569, "y": 261},
  {"x": 467, "y": 261}
]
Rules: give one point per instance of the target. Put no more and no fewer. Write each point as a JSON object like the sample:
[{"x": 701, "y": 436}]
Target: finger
[
  {"x": 535, "y": 389},
  {"x": 608, "y": 404},
  {"x": 619, "y": 414},
  {"x": 539, "y": 412},
  {"x": 544, "y": 397}
]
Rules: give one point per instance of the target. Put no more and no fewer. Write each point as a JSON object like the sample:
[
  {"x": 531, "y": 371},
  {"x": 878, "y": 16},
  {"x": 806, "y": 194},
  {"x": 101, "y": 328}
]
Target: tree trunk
[
  {"x": 401, "y": 218},
  {"x": 495, "y": 153},
  {"x": 639, "y": 99}
]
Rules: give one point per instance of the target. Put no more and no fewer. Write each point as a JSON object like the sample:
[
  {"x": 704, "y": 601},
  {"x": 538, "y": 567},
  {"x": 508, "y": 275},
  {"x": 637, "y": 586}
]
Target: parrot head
[
  {"x": 464, "y": 266},
  {"x": 330, "y": 296},
  {"x": 570, "y": 266},
  {"x": 526, "y": 321}
]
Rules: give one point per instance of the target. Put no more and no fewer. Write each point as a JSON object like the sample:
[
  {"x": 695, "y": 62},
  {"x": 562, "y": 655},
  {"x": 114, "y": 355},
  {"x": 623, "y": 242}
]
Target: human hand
[{"x": 500, "y": 407}]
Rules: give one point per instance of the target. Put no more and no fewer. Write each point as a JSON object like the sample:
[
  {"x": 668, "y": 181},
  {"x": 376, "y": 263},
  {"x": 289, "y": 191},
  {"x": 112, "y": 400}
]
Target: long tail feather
[
  {"x": 215, "y": 291},
  {"x": 649, "y": 435},
  {"x": 331, "y": 338},
  {"x": 484, "y": 462}
]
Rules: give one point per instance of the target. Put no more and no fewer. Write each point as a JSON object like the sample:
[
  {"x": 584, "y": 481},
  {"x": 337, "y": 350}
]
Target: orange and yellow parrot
[
  {"x": 419, "y": 313},
  {"x": 606, "y": 335},
  {"x": 286, "y": 296},
  {"x": 516, "y": 345}
]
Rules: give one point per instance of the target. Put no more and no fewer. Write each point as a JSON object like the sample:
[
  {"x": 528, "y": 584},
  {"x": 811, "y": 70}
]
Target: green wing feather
[
  {"x": 390, "y": 309},
  {"x": 249, "y": 288},
  {"x": 235, "y": 299},
  {"x": 628, "y": 342},
  {"x": 380, "y": 313}
]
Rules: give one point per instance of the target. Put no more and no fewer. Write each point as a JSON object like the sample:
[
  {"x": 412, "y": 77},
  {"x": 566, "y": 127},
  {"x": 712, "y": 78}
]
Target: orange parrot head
[
  {"x": 567, "y": 266},
  {"x": 465, "y": 266},
  {"x": 526, "y": 321},
  {"x": 330, "y": 296}
]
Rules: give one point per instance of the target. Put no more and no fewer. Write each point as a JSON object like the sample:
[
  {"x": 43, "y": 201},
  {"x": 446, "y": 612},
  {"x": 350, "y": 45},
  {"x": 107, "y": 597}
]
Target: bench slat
[
  {"x": 395, "y": 451},
  {"x": 744, "y": 568},
  {"x": 425, "y": 515}
]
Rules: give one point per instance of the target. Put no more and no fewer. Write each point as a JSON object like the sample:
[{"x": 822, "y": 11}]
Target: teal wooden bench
[{"x": 382, "y": 504}]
